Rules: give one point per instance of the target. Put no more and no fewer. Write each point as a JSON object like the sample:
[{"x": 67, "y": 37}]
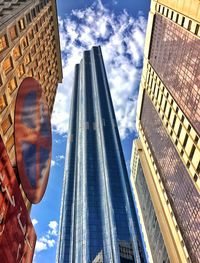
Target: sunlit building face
[
  {"x": 168, "y": 124},
  {"x": 29, "y": 47},
  {"x": 98, "y": 217}
]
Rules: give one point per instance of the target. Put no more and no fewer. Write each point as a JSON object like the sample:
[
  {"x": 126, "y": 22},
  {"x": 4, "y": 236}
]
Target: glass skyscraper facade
[{"x": 98, "y": 219}]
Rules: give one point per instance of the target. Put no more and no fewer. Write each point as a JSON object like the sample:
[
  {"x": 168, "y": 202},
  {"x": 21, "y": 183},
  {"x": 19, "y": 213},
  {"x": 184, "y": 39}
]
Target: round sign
[{"x": 33, "y": 138}]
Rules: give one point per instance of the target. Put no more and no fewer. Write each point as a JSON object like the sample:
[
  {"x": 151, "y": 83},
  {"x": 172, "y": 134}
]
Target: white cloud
[
  {"x": 44, "y": 243},
  {"x": 53, "y": 163},
  {"x": 34, "y": 221},
  {"x": 53, "y": 225},
  {"x": 51, "y": 242},
  {"x": 122, "y": 39},
  {"x": 40, "y": 246},
  {"x": 60, "y": 157},
  {"x": 48, "y": 240}
]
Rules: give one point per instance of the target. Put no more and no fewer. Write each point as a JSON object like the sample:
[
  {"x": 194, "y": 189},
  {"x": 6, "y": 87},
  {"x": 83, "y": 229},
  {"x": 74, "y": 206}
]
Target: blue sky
[{"x": 119, "y": 27}]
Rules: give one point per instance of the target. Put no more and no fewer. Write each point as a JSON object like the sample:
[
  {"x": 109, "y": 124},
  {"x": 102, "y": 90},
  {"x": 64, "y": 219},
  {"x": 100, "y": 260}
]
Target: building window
[
  {"x": 41, "y": 5},
  {"x": 189, "y": 25},
  {"x": 3, "y": 43},
  {"x": 41, "y": 68},
  {"x": 36, "y": 28},
  {"x": 7, "y": 65},
  {"x": 20, "y": 71},
  {"x": 192, "y": 152},
  {"x": 179, "y": 130},
  {"x": 197, "y": 29},
  {"x": 33, "y": 50},
  {"x": 27, "y": 59},
  {"x": 30, "y": 73},
  {"x": 6, "y": 124},
  {"x": 46, "y": 29},
  {"x": 167, "y": 13},
  {"x": 42, "y": 48},
  {"x": 33, "y": 13},
  {"x": 38, "y": 75},
  {"x": 21, "y": 24},
  {"x": 12, "y": 85},
  {"x": 43, "y": 18},
  {"x": 157, "y": 94},
  {"x": 31, "y": 35},
  {"x": 185, "y": 140},
  {"x": 39, "y": 23},
  {"x": 35, "y": 65},
  {"x": 13, "y": 32},
  {"x": 198, "y": 168},
  {"x": 183, "y": 21},
  {"x": 28, "y": 18},
  {"x": 3, "y": 102},
  {"x": 25, "y": 42},
  {"x": 46, "y": 14},
  {"x": 174, "y": 121},
  {"x": 165, "y": 105},
  {"x": 195, "y": 177},
  {"x": 39, "y": 55},
  {"x": 10, "y": 143},
  {"x": 169, "y": 114},
  {"x": 172, "y": 14},
  {"x": 177, "y": 17},
  {"x": 37, "y": 8},
  {"x": 42, "y": 35},
  {"x": 37, "y": 42},
  {"x": 16, "y": 52}
]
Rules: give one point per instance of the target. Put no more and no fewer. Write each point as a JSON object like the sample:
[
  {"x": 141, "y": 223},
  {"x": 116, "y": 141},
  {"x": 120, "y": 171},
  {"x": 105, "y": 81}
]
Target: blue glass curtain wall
[{"x": 98, "y": 217}]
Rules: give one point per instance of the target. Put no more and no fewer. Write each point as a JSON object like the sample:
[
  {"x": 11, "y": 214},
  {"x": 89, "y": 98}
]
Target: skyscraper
[
  {"x": 168, "y": 124},
  {"x": 98, "y": 218}
]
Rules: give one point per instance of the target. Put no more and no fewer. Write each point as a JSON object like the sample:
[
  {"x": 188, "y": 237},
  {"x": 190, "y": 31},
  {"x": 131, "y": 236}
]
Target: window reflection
[
  {"x": 183, "y": 196},
  {"x": 175, "y": 56}
]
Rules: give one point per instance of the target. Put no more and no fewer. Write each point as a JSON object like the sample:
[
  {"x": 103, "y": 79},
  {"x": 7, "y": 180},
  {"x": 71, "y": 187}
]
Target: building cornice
[{"x": 57, "y": 39}]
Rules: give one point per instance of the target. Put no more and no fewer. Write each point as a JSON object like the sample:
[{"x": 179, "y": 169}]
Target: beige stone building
[
  {"x": 168, "y": 123},
  {"x": 29, "y": 46}
]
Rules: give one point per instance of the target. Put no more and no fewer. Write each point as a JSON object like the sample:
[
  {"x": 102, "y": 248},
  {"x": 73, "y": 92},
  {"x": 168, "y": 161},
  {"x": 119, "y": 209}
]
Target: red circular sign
[{"x": 33, "y": 139}]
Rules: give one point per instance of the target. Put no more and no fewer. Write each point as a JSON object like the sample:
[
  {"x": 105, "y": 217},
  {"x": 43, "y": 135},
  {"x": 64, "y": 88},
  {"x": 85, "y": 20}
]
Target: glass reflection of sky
[
  {"x": 175, "y": 55},
  {"x": 29, "y": 157},
  {"x": 30, "y": 110},
  {"x": 29, "y": 151},
  {"x": 44, "y": 121},
  {"x": 44, "y": 157},
  {"x": 183, "y": 195},
  {"x": 97, "y": 208}
]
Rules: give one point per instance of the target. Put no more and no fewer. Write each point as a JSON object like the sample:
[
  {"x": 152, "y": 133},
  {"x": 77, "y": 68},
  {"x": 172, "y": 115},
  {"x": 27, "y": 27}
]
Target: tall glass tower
[{"x": 98, "y": 219}]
